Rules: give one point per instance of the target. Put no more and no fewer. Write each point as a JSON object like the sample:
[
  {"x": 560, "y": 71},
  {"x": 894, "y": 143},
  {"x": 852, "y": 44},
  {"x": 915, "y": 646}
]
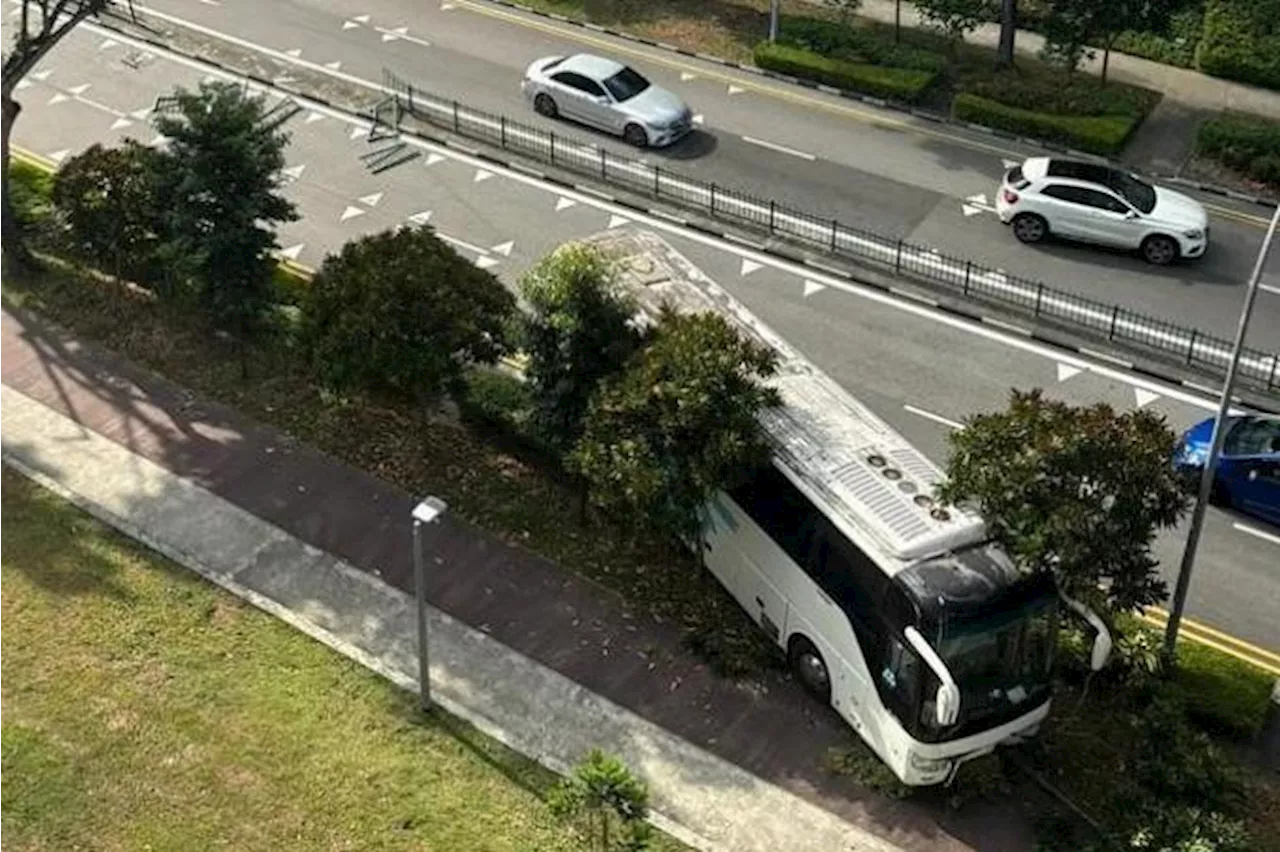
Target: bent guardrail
[{"x": 957, "y": 276}]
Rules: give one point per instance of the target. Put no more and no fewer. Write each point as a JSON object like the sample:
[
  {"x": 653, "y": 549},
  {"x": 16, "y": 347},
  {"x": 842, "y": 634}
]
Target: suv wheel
[
  {"x": 1159, "y": 250},
  {"x": 635, "y": 136},
  {"x": 1030, "y": 228},
  {"x": 545, "y": 106}
]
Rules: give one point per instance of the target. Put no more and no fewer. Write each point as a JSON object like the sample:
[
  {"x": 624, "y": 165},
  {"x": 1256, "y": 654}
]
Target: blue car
[{"x": 1248, "y": 474}]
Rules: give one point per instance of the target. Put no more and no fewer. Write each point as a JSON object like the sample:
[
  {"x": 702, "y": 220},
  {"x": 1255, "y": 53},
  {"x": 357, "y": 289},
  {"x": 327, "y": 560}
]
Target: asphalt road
[
  {"x": 873, "y": 169},
  {"x": 920, "y": 370}
]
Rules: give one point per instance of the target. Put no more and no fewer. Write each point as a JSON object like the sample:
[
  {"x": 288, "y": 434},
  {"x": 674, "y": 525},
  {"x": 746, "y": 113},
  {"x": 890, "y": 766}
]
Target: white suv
[{"x": 1100, "y": 204}]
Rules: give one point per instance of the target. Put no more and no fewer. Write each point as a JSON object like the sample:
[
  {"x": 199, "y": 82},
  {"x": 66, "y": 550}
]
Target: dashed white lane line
[
  {"x": 1269, "y": 289},
  {"x": 781, "y": 149},
  {"x": 936, "y": 418},
  {"x": 987, "y": 332},
  {"x": 1257, "y": 533}
]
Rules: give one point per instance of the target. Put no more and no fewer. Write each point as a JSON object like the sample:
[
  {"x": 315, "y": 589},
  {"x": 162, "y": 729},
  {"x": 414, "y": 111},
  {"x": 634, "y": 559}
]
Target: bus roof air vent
[
  {"x": 891, "y": 473},
  {"x": 876, "y": 460}
]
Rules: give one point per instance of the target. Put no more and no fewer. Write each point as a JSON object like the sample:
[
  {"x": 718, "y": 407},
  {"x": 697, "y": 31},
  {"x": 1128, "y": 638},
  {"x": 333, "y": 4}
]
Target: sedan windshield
[
  {"x": 1138, "y": 193},
  {"x": 625, "y": 85}
]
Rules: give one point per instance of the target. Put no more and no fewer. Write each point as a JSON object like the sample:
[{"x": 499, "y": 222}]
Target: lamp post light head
[{"x": 429, "y": 510}]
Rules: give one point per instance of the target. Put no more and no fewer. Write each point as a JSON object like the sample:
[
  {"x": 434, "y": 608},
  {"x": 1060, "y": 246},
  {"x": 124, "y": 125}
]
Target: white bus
[{"x": 899, "y": 612}]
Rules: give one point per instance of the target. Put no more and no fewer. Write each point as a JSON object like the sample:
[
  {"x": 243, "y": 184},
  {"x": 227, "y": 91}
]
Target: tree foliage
[
  {"x": 1071, "y": 27},
  {"x": 107, "y": 199},
  {"x": 955, "y": 18},
  {"x": 219, "y": 186},
  {"x": 1077, "y": 491},
  {"x": 680, "y": 423},
  {"x": 401, "y": 313},
  {"x": 41, "y": 25},
  {"x": 610, "y": 803},
  {"x": 578, "y": 331}
]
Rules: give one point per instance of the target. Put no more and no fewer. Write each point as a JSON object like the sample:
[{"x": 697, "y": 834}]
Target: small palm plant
[{"x": 607, "y": 803}]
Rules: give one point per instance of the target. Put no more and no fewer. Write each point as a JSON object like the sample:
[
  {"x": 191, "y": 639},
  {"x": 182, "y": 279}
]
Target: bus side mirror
[
  {"x": 1101, "y": 651},
  {"x": 947, "y": 704}
]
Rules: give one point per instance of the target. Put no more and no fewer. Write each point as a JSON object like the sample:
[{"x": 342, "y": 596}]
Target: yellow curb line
[{"x": 1190, "y": 631}]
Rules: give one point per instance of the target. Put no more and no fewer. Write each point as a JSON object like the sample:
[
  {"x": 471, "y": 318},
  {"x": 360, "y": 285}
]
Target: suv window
[
  {"x": 1079, "y": 171},
  {"x": 579, "y": 82},
  {"x": 1063, "y": 192},
  {"x": 1102, "y": 201}
]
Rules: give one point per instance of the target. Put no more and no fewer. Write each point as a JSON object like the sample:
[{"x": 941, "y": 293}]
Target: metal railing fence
[{"x": 958, "y": 276}]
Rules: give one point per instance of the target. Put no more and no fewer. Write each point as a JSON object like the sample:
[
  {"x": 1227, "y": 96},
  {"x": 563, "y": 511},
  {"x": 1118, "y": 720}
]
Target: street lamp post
[
  {"x": 1215, "y": 448},
  {"x": 429, "y": 511}
]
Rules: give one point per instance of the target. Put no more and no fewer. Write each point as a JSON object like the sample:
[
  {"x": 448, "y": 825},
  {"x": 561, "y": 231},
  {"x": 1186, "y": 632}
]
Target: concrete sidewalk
[{"x": 703, "y": 800}]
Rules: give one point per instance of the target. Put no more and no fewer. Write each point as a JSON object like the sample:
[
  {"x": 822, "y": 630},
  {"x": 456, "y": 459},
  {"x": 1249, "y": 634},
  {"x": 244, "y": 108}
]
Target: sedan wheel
[
  {"x": 634, "y": 135},
  {"x": 1159, "y": 251},
  {"x": 1029, "y": 228},
  {"x": 545, "y": 106}
]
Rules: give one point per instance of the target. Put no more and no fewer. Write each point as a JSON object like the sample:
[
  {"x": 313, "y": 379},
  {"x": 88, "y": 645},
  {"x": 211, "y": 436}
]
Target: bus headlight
[{"x": 928, "y": 765}]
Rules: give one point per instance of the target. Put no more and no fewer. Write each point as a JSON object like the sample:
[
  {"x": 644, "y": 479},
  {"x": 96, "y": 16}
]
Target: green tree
[
  {"x": 578, "y": 331},
  {"x": 41, "y": 24},
  {"x": 680, "y": 423},
  {"x": 1077, "y": 491},
  {"x": 608, "y": 801},
  {"x": 219, "y": 185},
  {"x": 955, "y": 17},
  {"x": 1070, "y": 27},
  {"x": 401, "y": 313},
  {"x": 107, "y": 198}
]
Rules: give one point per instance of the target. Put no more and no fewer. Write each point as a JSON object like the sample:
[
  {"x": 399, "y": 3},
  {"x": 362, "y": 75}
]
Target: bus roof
[{"x": 868, "y": 478}]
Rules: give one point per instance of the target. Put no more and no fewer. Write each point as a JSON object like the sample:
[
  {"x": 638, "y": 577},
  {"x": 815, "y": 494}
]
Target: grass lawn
[{"x": 146, "y": 709}]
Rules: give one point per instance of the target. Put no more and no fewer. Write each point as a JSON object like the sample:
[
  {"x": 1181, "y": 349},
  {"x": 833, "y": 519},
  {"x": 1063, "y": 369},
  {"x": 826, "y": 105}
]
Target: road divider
[{"x": 956, "y": 276}]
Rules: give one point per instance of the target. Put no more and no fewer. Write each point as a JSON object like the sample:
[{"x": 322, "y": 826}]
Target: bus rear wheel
[{"x": 806, "y": 661}]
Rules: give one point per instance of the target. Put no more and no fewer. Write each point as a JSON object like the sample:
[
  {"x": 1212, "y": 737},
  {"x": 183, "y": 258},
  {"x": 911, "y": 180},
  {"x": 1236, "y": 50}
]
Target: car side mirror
[{"x": 946, "y": 704}]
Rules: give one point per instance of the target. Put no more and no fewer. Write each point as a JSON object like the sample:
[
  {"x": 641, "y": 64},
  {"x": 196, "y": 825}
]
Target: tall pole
[
  {"x": 1215, "y": 448},
  {"x": 773, "y": 19},
  {"x": 429, "y": 511}
]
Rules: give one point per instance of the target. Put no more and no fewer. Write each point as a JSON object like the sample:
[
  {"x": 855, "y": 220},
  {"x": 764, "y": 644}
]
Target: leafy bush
[
  {"x": 1176, "y": 46},
  {"x": 1241, "y": 41},
  {"x": 495, "y": 398},
  {"x": 1060, "y": 94},
  {"x": 32, "y": 188},
  {"x": 856, "y": 44},
  {"x": 1102, "y": 134},
  {"x": 898, "y": 83},
  {"x": 606, "y": 802},
  {"x": 1175, "y": 763},
  {"x": 1223, "y": 695},
  {"x": 1248, "y": 143}
]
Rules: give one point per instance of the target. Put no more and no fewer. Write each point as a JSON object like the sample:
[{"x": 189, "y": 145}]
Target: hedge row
[
  {"x": 901, "y": 84},
  {"x": 1241, "y": 41},
  {"x": 1097, "y": 134},
  {"x": 862, "y": 45},
  {"x": 1247, "y": 143}
]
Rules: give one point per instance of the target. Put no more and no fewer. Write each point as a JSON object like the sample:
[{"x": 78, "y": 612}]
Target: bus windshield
[{"x": 1001, "y": 660}]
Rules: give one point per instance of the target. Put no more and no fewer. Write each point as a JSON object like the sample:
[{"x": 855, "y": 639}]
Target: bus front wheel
[{"x": 810, "y": 668}]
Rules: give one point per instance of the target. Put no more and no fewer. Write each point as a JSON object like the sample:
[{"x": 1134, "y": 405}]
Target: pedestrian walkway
[{"x": 533, "y": 655}]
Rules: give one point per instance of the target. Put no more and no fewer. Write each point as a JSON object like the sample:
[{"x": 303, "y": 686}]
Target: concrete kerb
[{"x": 928, "y": 115}]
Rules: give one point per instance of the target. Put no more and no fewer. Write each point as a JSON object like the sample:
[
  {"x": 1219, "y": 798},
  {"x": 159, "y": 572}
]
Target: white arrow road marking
[
  {"x": 292, "y": 252},
  {"x": 141, "y": 114},
  {"x": 936, "y": 418},
  {"x": 361, "y": 19},
  {"x": 446, "y": 6},
  {"x": 1066, "y": 371},
  {"x": 564, "y": 203},
  {"x": 349, "y": 25},
  {"x": 333, "y": 66},
  {"x": 295, "y": 53},
  {"x": 294, "y": 172},
  {"x": 58, "y": 98},
  {"x": 420, "y": 218},
  {"x": 350, "y": 213},
  {"x": 434, "y": 158},
  {"x": 485, "y": 262},
  {"x": 313, "y": 117},
  {"x": 79, "y": 90},
  {"x": 975, "y": 204},
  {"x": 358, "y": 132},
  {"x": 41, "y": 75},
  {"x": 482, "y": 175},
  {"x": 370, "y": 200},
  {"x": 811, "y": 287},
  {"x": 1144, "y": 396},
  {"x": 59, "y": 156},
  {"x": 392, "y": 35},
  {"x": 735, "y": 90},
  {"x": 685, "y": 76},
  {"x": 748, "y": 267},
  {"x": 121, "y": 123},
  {"x": 504, "y": 249},
  {"x": 615, "y": 220},
  {"x": 23, "y": 84}
]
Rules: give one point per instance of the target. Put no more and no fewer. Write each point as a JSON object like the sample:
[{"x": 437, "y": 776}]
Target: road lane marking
[
  {"x": 599, "y": 200},
  {"x": 936, "y": 418},
  {"x": 1257, "y": 533},
  {"x": 1269, "y": 289},
  {"x": 1216, "y": 639},
  {"x": 781, "y": 149}
]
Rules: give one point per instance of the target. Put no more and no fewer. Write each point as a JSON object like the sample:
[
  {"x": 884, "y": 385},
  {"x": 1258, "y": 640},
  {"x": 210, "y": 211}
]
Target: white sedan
[
  {"x": 606, "y": 95},
  {"x": 1099, "y": 204}
]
